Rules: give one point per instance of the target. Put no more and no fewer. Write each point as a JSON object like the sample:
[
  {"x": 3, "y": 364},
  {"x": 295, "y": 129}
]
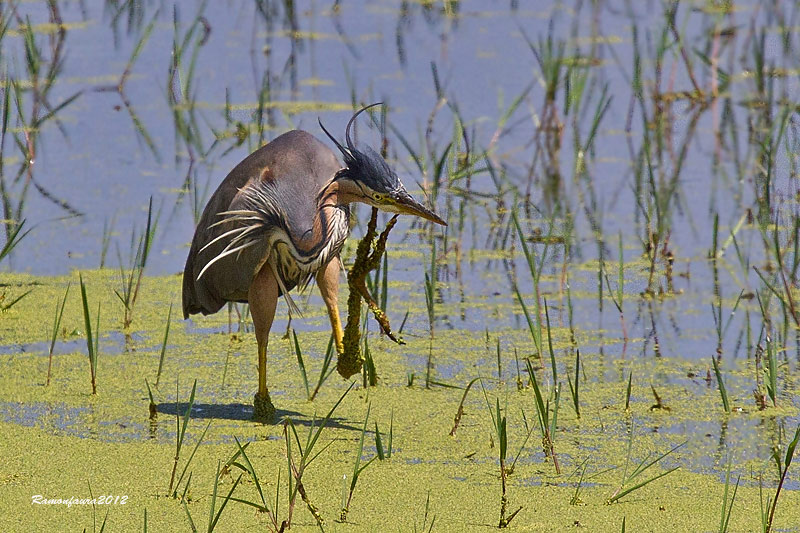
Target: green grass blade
[
  {"x": 90, "y": 344},
  {"x": 250, "y": 470},
  {"x": 379, "y": 443},
  {"x": 57, "y": 319},
  {"x": 628, "y": 391},
  {"x": 391, "y": 435},
  {"x": 13, "y": 240},
  {"x": 640, "y": 485},
  {"x": 536, "y": 333},
  {"x": 791, "y": 448},
  {"x": 540, "y": 408},
  {"x": 550, "y": 343},
  {"x": 721, "y": 384},
  {"x": 327, "y": 419},
  {"x": 187, "y": 414},
  {"x": 326, "y": 370},
  {"x": 164, "y": 345},
  {"x": 213, "y": 524},
  {"x": 191, "y": 455},
  {"x": 299, "y": 354}
]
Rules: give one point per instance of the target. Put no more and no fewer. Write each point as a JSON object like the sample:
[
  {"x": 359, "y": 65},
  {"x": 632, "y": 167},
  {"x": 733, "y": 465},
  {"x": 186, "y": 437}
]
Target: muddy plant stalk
[
  {"x": 758, "y": 392},
  {"x": 656, "y": 182},
  {"x": 771, "y": 370},
  {"x": 662, "y": 196},
  {"x": 368, "y": 257},
  {"x": 653, "y": 328}
]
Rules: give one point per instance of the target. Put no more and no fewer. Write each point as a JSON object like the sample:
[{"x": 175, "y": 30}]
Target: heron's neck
[
  {"x": 337, "y": 193},
  {"x": 331, "y": 221},
  {"x": 329, "y": 230},
  {"x": 328, "y": 197}
]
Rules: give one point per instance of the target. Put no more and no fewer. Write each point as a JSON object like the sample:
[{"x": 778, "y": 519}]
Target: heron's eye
[{"x": 377, "y": 197}]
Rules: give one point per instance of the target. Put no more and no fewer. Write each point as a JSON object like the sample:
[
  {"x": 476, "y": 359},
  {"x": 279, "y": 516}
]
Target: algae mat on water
[{"x": 62, "y": 442}]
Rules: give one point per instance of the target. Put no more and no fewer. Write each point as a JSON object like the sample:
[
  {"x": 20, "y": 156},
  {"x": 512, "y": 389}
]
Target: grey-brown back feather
[{"x": 299, "y": 165}]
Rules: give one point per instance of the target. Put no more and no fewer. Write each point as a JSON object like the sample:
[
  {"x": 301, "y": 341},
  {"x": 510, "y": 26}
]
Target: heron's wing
[{"x": 290, "y": 170}]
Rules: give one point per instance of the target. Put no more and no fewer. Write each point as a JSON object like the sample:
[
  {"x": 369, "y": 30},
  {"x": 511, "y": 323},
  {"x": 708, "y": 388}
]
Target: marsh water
[{"x": 621, "y": 135}]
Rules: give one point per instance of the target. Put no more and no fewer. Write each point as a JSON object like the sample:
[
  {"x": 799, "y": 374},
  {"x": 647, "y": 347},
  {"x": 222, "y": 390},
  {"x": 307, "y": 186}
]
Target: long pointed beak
[{"x": 406, "y": 204}]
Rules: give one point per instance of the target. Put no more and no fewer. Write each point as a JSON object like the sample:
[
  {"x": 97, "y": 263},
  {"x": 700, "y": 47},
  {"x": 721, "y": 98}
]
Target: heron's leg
[
  {"x": 328, "y": 282},
  {"x": 263, "y": 298}
]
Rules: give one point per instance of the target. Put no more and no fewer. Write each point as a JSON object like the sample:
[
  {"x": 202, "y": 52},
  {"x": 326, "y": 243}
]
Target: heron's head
[{"x": 368, "y": 179}]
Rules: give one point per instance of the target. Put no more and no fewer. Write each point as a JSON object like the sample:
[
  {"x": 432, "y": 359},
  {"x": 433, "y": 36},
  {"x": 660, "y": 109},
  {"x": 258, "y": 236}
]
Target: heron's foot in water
[{"x": 263, "y": 410}]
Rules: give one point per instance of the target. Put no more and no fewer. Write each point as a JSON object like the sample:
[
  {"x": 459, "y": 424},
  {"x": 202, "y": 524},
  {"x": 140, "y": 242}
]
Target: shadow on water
[
  {"x": 81, "y": 422},
  {"x": 244, "y": 413},
  {"x": 231, "y": 411}
]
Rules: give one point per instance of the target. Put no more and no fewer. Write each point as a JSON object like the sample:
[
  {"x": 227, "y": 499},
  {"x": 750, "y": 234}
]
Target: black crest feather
[{"x": 365, "y": 165}]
